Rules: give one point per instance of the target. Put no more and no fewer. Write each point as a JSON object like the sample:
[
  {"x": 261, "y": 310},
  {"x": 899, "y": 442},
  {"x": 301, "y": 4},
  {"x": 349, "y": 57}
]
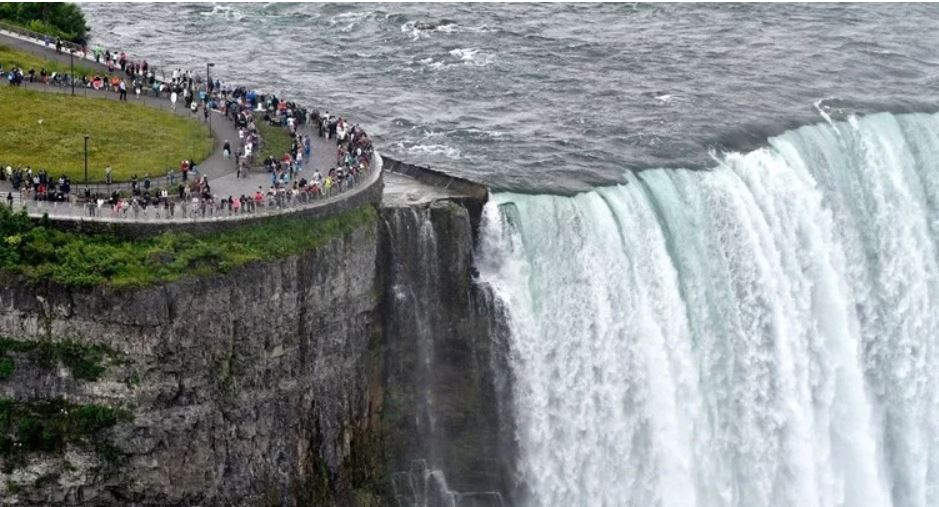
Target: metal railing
[
  {"x": 181, "y": 211},
  {"x": 41, "y": 37}
]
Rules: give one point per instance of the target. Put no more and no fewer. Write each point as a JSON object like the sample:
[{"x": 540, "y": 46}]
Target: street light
[
  {"x": 208, "y": 89},
  {"x": 86, "y": 158},
  {"x": 71, "y": 72}
]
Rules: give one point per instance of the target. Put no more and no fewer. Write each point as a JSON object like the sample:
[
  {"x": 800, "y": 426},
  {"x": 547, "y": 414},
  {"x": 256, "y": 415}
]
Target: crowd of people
[
  {"x": 180, "y": 195},
  {"x": 37, "y": 185}
]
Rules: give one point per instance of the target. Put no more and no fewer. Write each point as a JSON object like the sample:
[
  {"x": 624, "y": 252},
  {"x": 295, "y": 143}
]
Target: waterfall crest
[{"x": 760, "y": 334}]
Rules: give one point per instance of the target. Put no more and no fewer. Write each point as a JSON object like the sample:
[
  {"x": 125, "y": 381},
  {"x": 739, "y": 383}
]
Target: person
[
  {"x": 108, "y": 178},
  {"x": 173, "y": 98},
  {"x": 122, "y": 86},
  {"x": 10, "y": 199},
  {"x": 226, "y": 149}
]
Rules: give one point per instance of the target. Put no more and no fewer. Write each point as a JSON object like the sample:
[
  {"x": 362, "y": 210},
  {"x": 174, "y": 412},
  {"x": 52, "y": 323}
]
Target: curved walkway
[{"x": 219, "y": 170}]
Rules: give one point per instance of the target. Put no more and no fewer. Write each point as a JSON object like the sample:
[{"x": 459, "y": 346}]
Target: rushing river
[
  {"x": 752, "y": 319},
  {"x": 762, "y": 333}
]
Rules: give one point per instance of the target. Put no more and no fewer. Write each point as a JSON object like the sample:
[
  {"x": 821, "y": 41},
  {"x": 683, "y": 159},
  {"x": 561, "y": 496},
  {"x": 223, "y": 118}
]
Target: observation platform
[{"x": 387, "y": 183}]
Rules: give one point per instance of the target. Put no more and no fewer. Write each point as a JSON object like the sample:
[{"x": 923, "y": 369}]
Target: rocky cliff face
[
  {"x": 247, "y": 388},
  {"x": 361, "y": 373}
]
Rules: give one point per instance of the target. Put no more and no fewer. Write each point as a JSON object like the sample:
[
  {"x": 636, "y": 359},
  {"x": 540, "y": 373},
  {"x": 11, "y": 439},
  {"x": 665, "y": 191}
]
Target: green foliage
[
  {"x": 58, "y": 19},
  {"x": 46, "y": 130},
  {"x": 43, "y": 253},
  {"x": 6, "y": 367},
  {"x": 50, "y": 425},
  {"x": 84, "y": 361}
]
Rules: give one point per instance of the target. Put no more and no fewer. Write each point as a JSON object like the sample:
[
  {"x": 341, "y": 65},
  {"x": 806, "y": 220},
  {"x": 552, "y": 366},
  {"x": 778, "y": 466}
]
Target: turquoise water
[{"x": 760, "y": 334}]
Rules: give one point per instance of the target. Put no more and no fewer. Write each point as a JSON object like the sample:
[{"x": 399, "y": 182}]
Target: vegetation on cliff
[
  {"x": 51, "y": 425},
  {"x": 86, "y": 362},
  {"x": 40, "y": 252},
  {"x": 46, "y": 131},
  {"x": 56, "y": 19}
]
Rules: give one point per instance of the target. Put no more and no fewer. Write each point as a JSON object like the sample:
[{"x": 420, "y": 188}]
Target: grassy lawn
[
  {"x": 275, "y": 141},
  {"x": 46, "y": 131},
  {"x": 43, "y": 253},
  {"x": 10, "y": 58}
]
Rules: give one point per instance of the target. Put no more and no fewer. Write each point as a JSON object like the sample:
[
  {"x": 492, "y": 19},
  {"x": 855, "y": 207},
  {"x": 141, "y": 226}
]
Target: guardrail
[
  {"x": 42, "y": 37},
  {"x": 194, "y": 211}
]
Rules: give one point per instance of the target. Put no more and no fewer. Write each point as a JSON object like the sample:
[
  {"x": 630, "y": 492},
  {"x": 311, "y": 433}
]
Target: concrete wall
[{"x": 437, "y": 178}]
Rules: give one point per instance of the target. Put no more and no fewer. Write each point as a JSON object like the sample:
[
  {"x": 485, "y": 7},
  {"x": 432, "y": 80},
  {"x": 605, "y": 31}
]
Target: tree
[{"x": 59, "y": 19}]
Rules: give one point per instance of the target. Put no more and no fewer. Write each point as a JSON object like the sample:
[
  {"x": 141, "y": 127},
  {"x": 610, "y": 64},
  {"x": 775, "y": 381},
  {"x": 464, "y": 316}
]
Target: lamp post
[
  {"x": 208, "y": 88},
  {"x": 86, "y": 158},
  {"x": 71, "y": 72}
]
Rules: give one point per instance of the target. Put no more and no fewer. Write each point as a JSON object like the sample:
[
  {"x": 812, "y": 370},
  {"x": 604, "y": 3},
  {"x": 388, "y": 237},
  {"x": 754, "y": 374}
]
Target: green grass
[
  {"x": 42, "y": 253},
  {"x": 275, "y": 141},
  {"x": 10, "y": 58},
  {"x": 46, "y": 131}
]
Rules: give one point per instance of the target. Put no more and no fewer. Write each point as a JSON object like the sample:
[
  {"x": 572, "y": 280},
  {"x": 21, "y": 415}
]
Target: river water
[
  {"x": 752, "y": 319},
  {"x": 548, "y": 97}
]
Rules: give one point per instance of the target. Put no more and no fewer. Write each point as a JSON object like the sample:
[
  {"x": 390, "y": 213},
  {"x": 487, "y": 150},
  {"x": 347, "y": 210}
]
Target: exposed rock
[
  {"x": 443, "y": 354},
  {"x": 310, "y": 380},
  {"x": 239, "y": 384}
]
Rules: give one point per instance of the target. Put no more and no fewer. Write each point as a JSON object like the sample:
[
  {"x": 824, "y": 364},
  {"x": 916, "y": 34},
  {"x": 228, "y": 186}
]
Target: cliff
[
  {"x": 246, "y": 388},
  {"x": 327, "y": 378}
]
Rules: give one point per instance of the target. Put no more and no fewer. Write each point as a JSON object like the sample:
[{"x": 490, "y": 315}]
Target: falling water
[{"x": 760, "y": 334}]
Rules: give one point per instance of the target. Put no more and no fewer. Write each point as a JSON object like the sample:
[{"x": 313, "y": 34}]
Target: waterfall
[
  {"x": 760, "y": 334},
  {"x": 441, "y": 356}
]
